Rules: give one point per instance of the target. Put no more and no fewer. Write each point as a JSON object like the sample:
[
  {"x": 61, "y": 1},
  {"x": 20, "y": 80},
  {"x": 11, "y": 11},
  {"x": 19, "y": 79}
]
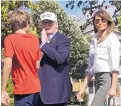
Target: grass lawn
[{"x": 11, "y": 102}]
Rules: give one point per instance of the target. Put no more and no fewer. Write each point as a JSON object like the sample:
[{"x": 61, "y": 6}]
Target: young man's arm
[
  {"x": 37, "y": 64},
  {"x": 6, "y": 73}
]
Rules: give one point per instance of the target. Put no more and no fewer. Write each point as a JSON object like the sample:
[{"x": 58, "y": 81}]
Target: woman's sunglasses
[{"x": 97, "y": 21}]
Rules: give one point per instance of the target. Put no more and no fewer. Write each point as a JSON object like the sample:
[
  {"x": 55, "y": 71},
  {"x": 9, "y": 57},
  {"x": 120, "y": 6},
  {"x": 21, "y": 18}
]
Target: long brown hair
[{"x": 110, "y": 26}]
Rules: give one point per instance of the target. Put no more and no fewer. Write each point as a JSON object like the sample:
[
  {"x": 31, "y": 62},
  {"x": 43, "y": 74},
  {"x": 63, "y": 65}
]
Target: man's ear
[{"x": 56, "y": 25}]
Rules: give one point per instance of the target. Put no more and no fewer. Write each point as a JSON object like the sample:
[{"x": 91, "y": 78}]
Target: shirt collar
[{"x": 51, "y": 36}]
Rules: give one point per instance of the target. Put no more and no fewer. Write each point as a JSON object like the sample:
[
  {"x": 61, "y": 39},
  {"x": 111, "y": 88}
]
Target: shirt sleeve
[
  {"x": 41, "y": 45},
  {"x": 90, "y": 61},
  {"x": 8, "y": 48},
  {"x": 114, "y": 53},
  {"x": 39, "y": 52}
]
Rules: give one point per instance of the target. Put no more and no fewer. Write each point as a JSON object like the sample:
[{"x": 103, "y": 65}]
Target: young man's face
[{"x": 49, "y": 26}]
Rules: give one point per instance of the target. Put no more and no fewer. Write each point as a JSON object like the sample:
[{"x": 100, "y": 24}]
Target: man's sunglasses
[{"x": 97, "y": 21}]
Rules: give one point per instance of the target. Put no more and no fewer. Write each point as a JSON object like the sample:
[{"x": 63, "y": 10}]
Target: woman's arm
[{"x": 83, "y": 88}]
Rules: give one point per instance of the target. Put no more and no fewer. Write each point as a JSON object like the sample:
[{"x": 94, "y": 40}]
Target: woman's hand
[
  {"x": 80, "y": 95},
  {"x": 112, "y": 92}
]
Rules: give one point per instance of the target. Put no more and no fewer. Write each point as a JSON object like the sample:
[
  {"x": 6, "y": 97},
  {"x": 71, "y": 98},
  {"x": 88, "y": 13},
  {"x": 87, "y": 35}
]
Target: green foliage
[
  {"x": 11, "y": 102},
  {"x": 6, "y": 7},
  {"x": 10, "y": 87},
  {"x": 2, "y": 53},
  {"x": 33, "y": 30},
  {"x": 119, "y": 22}
]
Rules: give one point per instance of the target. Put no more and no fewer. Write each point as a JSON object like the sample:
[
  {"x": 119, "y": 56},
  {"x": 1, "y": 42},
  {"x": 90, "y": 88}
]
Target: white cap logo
[{"x": 49, "y": 16}]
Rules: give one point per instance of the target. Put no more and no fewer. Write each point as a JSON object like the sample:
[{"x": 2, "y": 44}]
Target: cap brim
[{"x": 47, "y": 19}]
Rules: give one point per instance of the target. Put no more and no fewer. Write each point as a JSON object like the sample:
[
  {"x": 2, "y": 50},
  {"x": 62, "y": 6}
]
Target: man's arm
[
  {"x": 6, "y": 73},
  {"x": 37, "y": 64},
  {"x": 59, "y": 54}
]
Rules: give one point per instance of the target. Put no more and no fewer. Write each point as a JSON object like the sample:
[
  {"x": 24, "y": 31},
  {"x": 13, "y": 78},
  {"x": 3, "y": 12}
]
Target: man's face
[{"x": 49, "y": 26}]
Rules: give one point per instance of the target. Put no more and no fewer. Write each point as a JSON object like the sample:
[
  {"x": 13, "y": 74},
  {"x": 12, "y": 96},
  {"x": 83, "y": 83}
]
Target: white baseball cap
[{"x": 49, "y": 16}]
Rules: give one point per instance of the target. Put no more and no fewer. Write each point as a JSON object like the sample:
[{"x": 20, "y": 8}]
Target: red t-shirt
[{"x": 25, "y": 51}]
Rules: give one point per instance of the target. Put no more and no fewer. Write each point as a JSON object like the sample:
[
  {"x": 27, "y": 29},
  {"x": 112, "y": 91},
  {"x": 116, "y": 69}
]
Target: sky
[{"x": 76, "y": 11}]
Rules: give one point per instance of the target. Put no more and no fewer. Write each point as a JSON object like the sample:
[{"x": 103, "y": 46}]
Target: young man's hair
[{"x": 18, "y": 19}]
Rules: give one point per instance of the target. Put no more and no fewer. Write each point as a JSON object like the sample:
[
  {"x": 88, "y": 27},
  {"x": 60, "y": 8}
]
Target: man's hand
[
  {"x": 44, "y": 37},
  {"x": 5, "y": 99}
]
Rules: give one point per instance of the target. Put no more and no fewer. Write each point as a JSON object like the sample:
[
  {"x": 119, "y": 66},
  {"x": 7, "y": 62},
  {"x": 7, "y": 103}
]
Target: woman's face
[{"x": 101, "y": 23}]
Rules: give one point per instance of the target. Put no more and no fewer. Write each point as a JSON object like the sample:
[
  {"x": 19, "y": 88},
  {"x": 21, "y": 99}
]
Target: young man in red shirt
[{"x": 22, "y": 58}]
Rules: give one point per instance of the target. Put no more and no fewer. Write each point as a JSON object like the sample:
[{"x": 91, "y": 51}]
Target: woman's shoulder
[{"x": 113, "y": 36}]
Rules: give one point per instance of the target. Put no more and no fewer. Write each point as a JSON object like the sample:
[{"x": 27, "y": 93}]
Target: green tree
[
  {"x": 6, "y": 7},
  {"x": 119, "y": 22}
]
